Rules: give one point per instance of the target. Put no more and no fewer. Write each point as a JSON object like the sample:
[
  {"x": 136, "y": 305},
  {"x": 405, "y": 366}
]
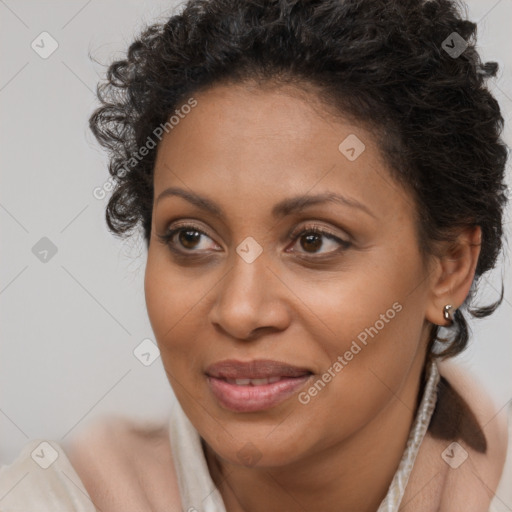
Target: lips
[
  {"x": 253, "y": 382},
  {"x": 255, "y": 385},
  {"x": 256, "y": 369}
]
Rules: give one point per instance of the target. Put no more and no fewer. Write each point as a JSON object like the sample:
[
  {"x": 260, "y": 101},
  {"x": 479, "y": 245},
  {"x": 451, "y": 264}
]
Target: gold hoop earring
[{"x": 447, "y": 313}]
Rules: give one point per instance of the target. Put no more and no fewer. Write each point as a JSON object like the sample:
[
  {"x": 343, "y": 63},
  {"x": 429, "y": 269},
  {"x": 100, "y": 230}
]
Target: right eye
[{"x": 188, "y": 236}]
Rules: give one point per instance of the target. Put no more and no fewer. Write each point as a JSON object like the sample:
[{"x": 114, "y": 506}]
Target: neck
[{"x": 352, "y": 475}]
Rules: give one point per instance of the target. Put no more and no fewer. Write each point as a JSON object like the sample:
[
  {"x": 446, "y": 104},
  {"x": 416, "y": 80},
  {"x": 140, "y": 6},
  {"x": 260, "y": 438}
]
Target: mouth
[{"x": 255, "y": 385}]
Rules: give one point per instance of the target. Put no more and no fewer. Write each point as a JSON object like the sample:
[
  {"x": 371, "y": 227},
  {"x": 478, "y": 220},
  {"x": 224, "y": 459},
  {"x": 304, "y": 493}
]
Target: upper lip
[{"x": 255, "y": 369}]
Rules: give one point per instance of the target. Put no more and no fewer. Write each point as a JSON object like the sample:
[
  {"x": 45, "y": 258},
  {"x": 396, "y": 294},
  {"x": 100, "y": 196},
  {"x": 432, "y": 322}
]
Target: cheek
[
  {"x": 372, "y": 317},
  {"x": 366, "y": 358},
  {"x": 160, "y": 295},
  {"x": 165, "y": 301},
  {"x": 176, "y": 302},
  {"x": 169, "y": 294},
  {"x": 374, "y": 299}
]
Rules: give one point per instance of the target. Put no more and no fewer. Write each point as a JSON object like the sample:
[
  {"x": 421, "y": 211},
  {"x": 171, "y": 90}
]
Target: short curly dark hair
[{"x": 383, "y": 63}]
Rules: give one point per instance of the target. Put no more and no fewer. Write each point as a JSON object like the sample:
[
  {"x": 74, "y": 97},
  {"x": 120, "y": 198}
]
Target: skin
[{"x": 247, "y": 148}]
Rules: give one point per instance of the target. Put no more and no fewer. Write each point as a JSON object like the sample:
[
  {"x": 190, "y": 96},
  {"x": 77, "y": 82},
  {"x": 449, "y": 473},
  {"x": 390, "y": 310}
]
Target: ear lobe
[{"x": 457, "y": 265}]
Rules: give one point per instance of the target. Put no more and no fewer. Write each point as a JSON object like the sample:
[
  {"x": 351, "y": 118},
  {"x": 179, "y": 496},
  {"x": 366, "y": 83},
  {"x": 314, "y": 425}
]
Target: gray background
[{"x": 69, "y": 325}]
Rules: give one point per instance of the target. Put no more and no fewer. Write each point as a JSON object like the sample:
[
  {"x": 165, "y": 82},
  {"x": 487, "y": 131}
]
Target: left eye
[
  {"x": 189, "y": 235},
  {"x": 313, "y": 237}
]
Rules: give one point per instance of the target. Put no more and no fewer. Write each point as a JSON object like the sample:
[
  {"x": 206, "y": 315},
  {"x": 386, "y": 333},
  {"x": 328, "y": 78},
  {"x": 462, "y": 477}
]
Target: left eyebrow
[
  {"x": 286, "y": 207},
  {"x": 300, "y": 203}
]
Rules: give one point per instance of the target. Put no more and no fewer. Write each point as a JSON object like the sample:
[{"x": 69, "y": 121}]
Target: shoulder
[
  {"x": 125, "y": 464},
  {"x": 462, "y": 457},
  {"x": 472, "y": 406},
  {"x": 42, "y": 478},
  {"x": 482, "y": 431}
]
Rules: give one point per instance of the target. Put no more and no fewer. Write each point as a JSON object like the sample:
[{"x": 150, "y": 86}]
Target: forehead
[
  {"x": 236, "y": 120},
  {"x": 277, "y": 142}
]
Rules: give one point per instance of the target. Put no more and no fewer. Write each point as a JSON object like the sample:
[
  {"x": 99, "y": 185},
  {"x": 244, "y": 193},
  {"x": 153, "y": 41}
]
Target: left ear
[{"x": 455, "y": 270}]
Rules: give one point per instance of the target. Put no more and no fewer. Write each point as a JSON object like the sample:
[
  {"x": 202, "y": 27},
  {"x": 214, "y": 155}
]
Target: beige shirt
[{"x": 42, "y": 477}]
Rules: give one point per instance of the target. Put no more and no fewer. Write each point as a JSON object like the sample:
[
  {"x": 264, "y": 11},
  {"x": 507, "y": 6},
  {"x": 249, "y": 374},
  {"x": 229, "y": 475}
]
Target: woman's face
[{"x": 340, "y": 313}]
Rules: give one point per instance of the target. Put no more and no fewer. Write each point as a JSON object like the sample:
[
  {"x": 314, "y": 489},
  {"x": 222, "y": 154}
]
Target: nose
[{"x": 251, "y": 300}]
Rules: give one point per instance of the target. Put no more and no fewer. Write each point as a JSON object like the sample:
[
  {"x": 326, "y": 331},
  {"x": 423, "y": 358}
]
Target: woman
[{"x": 320, "y": 186}]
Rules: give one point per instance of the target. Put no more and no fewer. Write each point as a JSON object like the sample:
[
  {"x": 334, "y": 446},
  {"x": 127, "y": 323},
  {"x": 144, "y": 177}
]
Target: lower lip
[{"x": 254, "y": 398}]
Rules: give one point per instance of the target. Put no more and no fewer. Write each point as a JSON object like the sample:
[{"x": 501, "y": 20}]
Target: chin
[{"x": 259, "y": 446}]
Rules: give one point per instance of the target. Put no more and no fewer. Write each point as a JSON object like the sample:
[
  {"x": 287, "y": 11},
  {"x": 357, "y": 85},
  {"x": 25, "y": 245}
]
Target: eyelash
[{"x": 294, "y": 235}]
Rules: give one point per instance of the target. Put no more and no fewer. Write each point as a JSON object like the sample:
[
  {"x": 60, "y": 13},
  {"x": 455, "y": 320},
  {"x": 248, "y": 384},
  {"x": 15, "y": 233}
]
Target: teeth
[
  {"x": 253, "y": 382},
  {"x": 259, "y": 382}
]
